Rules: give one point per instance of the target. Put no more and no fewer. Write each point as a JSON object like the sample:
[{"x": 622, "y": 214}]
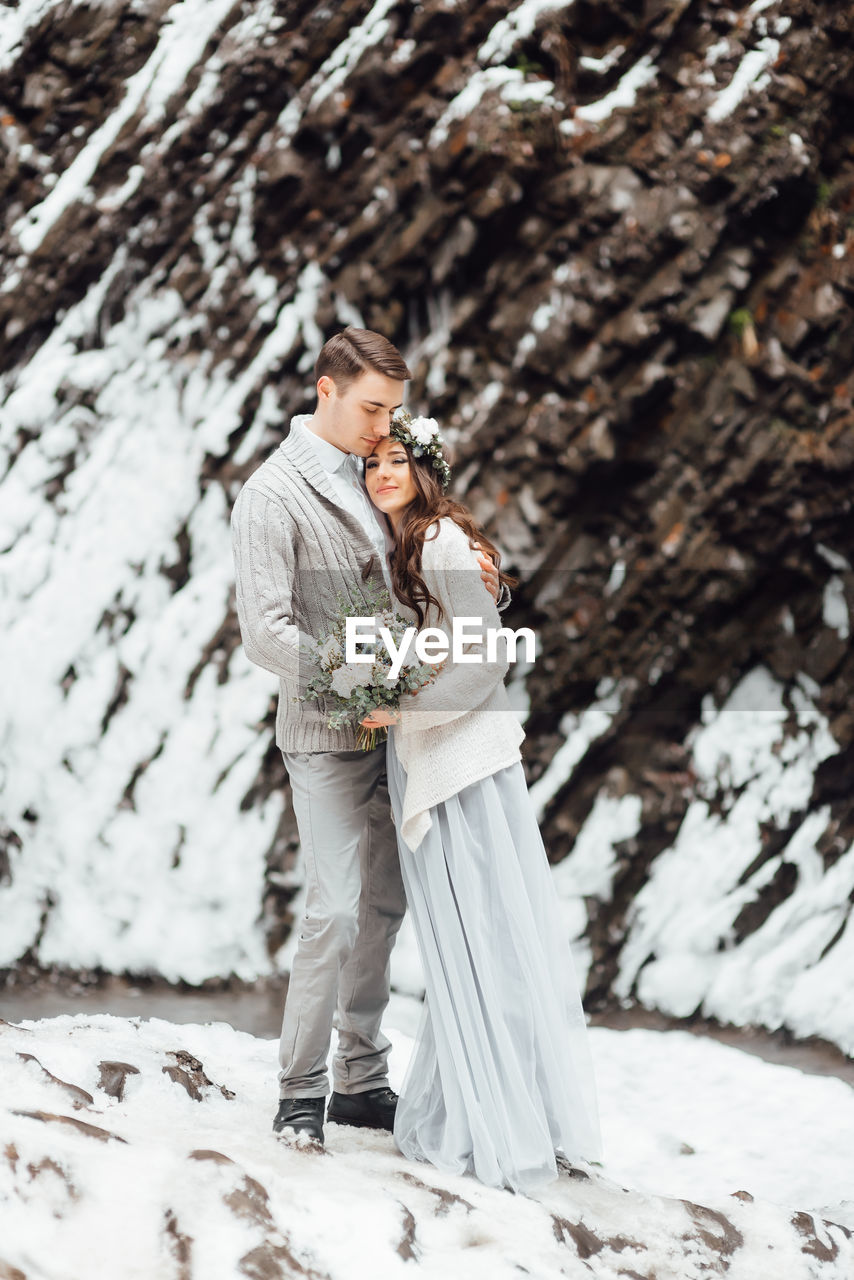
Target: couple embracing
[{"x": 437, "y": 817}]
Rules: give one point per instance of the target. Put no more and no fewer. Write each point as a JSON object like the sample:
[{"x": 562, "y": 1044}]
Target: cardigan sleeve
[
  {"x": 264, "y": 558},
  {"x": 450, "y": 569}
]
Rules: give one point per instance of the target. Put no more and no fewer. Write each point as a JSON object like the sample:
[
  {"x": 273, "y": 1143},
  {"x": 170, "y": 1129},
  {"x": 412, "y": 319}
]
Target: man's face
[{"x": 360, "y": 415}]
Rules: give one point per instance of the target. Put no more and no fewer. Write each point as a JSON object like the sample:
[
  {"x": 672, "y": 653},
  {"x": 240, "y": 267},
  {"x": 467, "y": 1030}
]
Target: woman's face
[{"x": 388, "y": 477}]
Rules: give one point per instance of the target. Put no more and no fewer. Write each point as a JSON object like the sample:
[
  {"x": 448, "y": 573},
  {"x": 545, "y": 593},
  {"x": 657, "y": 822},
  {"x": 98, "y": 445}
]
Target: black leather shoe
[
  {"x": 303, "y": 1115},
  {"x": 373, "y": 1109}
]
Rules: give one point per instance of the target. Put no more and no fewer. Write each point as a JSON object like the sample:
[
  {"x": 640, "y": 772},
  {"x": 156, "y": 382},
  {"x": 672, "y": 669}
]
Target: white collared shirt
[{"x": 345, "y": 476}]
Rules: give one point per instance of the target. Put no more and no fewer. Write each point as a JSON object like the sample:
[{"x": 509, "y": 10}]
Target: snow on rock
[
  {"x": 710, "y": 930},
  {"x": 580, "y": 731},
  {"x": 16, "y": 21},
  {"x": 509, "y": 82},
  {"x": 142, "y": 1150},
  {"x": 835, "y": 607},
  {"x": 184, "y": 36},
  {"x": 741, "y": 918},
  {"x": 518, "y": 24},
  {"x": 750, "y": 75},
  {"x": 588, "y": 871},
  {"x": 333, "y": 72},
  {"x": 622, "y": 96},
  {"x": 127, "y": 757},
  {"x": 492, "y": 76}
]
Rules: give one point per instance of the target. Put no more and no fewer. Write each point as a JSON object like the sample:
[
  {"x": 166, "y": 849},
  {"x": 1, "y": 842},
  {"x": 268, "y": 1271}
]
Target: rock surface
[{"x": 614, "y": 242}]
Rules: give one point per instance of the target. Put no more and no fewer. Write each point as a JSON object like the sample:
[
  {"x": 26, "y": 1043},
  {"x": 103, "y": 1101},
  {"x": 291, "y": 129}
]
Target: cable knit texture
[
  {"x": 461, "y": 727},
  {"x": 295, "y": 549}
]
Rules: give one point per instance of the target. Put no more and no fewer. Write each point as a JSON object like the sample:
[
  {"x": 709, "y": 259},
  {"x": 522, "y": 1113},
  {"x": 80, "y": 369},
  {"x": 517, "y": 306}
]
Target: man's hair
[{"x": 349, "y": 354}]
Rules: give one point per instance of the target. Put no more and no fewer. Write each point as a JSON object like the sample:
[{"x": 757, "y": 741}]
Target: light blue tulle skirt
[{"x": 501, "y": 1079}]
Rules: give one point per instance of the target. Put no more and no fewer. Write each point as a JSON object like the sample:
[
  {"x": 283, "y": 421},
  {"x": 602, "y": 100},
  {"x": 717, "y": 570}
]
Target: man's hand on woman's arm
[{"x": 489, "y": 573}]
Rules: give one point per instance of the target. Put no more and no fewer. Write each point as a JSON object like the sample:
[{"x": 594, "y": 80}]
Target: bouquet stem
[{"x": 367, "y": 739}]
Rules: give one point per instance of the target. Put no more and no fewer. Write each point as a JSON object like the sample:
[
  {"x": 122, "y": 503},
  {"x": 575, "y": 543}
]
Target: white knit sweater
[{"x": 461, "y": 727}]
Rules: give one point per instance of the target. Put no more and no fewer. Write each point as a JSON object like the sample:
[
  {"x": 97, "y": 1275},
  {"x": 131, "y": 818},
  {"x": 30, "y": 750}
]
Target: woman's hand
[
  {"x": 380, "y": 716},
  {"x": 488, "y": 572}
]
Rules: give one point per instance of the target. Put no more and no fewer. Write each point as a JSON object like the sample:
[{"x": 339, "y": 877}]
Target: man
[{"x": 305, "y": 533}]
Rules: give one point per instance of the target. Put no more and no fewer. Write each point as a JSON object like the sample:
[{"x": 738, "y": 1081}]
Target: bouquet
[{"x": 360, "y": 687}]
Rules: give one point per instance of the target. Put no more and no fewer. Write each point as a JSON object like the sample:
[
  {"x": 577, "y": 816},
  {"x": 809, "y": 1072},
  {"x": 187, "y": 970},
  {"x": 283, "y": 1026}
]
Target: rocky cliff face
[{"x": 614, "y": 243}]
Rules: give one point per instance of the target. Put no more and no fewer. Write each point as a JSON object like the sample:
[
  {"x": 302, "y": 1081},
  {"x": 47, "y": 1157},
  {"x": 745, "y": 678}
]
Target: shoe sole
[{"x": 357, "y": 1124}]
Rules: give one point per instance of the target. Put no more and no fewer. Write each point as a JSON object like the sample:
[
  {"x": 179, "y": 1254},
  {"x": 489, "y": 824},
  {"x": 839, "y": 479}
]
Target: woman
[{"x": 500, "y": 1083}]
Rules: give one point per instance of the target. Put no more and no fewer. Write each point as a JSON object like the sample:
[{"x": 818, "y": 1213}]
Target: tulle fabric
[{"x": 501, "y": 1077}]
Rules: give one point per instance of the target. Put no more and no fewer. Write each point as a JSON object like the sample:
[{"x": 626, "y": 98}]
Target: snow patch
[
  {"x": 178, "y": 1159},
  {"x": 623, "y": 95},
  {"x": 833, "y": 558},
  {"x": 601, "y": 65},
  {"x": 580, "y": 730},
  {"x": 185, "y": 32},
  {"x": 518, "y": 25},
  {"x": 135, "y": 845},
  {"x": 755, "y": 759},
  {"x": 834, "y": 610},
  {"x": 17, "y": 20},
  {"x": 750, "y": 74},
  {"x": 510, "y": 82}
]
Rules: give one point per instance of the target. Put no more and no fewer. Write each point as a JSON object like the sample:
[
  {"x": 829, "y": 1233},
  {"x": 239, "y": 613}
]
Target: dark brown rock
[
  {"x": 79, "y": 1097},
  {"x": 89, "y": 1130},
  {"x": 113, "y": 1077},
  {"x": 188, "y": 1072}
]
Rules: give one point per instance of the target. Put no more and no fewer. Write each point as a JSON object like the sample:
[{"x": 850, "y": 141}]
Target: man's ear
[{"x": 325, "y": 387}]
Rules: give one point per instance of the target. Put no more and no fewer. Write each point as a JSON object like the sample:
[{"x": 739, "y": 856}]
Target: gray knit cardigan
[{"x": 295, "y": 550}]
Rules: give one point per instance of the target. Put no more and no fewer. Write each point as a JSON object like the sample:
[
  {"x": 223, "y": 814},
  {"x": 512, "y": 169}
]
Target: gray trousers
[{"x": 354, "y": 906}]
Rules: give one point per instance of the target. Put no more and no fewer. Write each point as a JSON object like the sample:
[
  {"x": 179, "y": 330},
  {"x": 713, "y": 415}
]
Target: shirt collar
[
  {"x": 330, "y": 457},
  {"x": 323, "y": 453}
]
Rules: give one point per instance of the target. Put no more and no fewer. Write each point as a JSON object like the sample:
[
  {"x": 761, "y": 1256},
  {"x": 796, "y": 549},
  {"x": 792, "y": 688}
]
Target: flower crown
[{"x": 422, "y": 436}]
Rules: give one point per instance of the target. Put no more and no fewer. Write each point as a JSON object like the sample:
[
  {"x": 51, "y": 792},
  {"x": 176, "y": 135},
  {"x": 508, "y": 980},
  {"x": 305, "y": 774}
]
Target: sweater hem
[
  {"x": 416, "y": 819},
  {"x": 301, "y": 738}
]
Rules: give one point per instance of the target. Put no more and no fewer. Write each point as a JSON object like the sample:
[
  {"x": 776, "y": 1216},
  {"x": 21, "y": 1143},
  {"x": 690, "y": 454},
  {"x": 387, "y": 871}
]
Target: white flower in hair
[
  {"x": 423, "y": 437},
  {"x": 423, "y": 429}
]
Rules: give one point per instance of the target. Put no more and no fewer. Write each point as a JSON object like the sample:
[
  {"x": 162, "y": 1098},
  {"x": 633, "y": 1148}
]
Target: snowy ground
[{"x": 141, "y": 1150}]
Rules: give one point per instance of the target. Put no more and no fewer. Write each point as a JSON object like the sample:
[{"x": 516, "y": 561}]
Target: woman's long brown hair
[{"x": 430, "y": 504}]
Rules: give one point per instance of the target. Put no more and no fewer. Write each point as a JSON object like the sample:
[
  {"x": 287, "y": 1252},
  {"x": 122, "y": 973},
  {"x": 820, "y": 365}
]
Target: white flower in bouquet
[
  {"x": 348, "y": 678},
  {"x": 329, "y": 652}
]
